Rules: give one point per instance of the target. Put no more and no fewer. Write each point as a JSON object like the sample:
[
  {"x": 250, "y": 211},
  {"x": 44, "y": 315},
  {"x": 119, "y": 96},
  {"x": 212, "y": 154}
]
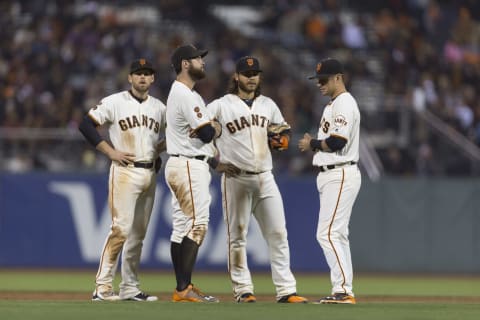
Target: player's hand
[
  {"x": 122, "y": 158},
  {"x": 218, "y": 128},
  {"x": 160, "y": 147},
  {"x": 304, "y": 143},
  {"x": 229, "y": 169}
]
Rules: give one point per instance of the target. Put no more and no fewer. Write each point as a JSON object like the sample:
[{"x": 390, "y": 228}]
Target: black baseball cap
[
  {"x": 327, "y": 67},
  {"x": 141, "y": 64},
  {"x": 248, "y": 63},
  {"x": 186, "y": 52}
]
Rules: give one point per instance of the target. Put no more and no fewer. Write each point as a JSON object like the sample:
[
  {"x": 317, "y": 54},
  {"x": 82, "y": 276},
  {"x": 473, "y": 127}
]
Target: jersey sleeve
[
  {"x": 196, "y": 115},
  {"x": 214, "y": 109},
  {"x": 342, "y": 119},
  {"x": 163, "y": 117},
  {"x": 103, "y": 112},
  {"x": 277, "y": 117}
]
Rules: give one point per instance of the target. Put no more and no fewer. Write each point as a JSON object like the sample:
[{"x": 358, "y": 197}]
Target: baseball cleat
[
  {"x": 192, "y": 294},
  {"x": 142, "y": 296},
  {"x": 292, "y": 298},
  {"x": 337, "y": 298},
  {"x": 105, "y": 296},
  {"x": 247, "y": 298}
]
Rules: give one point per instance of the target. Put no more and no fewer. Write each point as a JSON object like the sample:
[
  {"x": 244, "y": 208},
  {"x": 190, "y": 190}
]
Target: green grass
[
  {"x": 45, "y": 310},
  {"x": 313, "y": 285},
  {"x": 308, "y": 284}
]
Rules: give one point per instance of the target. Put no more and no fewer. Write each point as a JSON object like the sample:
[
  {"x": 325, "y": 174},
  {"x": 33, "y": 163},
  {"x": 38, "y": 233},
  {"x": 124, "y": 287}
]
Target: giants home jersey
[
  {"x": 132, "y": 126},
  {"x": 244, "y": 137}
]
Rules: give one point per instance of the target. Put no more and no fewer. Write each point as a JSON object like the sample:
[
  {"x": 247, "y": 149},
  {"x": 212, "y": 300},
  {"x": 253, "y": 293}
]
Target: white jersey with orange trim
[
  {"x": 338, "y": 184},
  {"x": 253, "y": 192},
  {"x": 187, "y": 172},
  {"x": 341, "y": 118},
  {"x": 132, "y": 126},
  {"x": 244, "y": 139},
  {"x": 186, "y": 109}
]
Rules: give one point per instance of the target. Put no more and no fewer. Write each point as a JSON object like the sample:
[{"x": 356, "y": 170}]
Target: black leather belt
[
  {"x": 250, "y": 172},
  {"x": 203, "y": 158},
  {"x": 145, "y": 165},
  {"x": 334, "y": 166}
]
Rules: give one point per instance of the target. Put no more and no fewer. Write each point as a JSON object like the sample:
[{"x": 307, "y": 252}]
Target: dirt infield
[{"x": 78, "y": 296}]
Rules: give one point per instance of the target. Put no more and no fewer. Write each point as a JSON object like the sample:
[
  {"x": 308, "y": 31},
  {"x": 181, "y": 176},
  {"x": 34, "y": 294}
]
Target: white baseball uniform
[
  {"x": 136, "y": 128},
  {"x": 338, "y": 183},
  {"x": 187, "y": 172},
  {"x": 244, "y": 144}
]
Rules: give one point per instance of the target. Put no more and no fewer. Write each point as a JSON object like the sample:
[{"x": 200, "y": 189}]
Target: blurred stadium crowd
[{"x": 59, "y": 58}]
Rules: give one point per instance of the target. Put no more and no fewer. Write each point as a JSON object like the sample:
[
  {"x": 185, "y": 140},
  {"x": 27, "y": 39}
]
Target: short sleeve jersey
[
  {"x": 132, "y": 126},
  {"x": 186, "y": 111},
  {"x": 341, "y": 118},
  {"x": 244, "y": 140}
]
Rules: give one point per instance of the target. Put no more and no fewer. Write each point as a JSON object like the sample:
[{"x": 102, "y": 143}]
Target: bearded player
[{"x": 245, "y": 115}]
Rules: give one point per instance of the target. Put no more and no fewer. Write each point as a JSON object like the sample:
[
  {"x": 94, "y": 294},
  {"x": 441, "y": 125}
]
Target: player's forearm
[
  {"x": 330, "y": 144},
  {"x": 160, "y": 147},
  {"x": 105, "y": 148},
  {"x": 319, "y": 145}
]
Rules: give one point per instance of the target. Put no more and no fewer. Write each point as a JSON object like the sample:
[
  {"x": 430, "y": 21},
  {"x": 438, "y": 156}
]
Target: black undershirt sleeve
[
  {"x": 206, "y": 133},
  {"x": 316, "y": 145},
  {"x": 335, "y": 143},
  {"x": 88, "y": 129}
]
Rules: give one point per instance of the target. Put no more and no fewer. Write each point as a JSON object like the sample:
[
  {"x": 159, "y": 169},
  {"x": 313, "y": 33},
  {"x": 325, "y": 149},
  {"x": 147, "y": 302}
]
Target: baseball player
[
  {"x": 135, "y": 122},
  {"x": 339, "y": 179},
  {"x": 245, "y": 115},
  {"x": 189, "y": 134}
]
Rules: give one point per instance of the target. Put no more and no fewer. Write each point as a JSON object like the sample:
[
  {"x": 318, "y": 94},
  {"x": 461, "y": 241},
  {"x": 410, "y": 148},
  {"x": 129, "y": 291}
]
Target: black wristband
[{"x": 316, "y": 145}]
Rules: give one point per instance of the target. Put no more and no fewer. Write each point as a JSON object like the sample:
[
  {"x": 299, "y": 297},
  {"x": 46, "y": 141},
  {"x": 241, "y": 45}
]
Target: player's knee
[
  {"x": 323, "y": 238},
  {"x": 277, "y": 236},
  {"x": 119, "y": 233},
  {"x": 197, "y": 233}
]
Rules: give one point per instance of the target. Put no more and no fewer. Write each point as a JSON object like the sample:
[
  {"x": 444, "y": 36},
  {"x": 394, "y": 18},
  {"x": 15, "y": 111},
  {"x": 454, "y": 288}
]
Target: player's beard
[
  {"x": 141, "y": 88},
  {"x": 196, "y": 73},
  {"x": 245, "y": 88}
]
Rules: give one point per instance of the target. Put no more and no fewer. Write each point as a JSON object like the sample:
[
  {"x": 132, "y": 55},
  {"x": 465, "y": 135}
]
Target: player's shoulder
[
  {"x": 116, "y": 97},
  {"x": 157, "y": 102},
  {"x": 224, "y": 100},
  {"x": 264, "y": 100},
  {"x": 347, "y": 97}
]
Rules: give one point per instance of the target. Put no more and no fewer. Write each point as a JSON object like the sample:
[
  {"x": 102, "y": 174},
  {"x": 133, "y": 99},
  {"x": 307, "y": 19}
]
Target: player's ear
[
  {"x": 185, "y": 63},
  {"x": 129, "y": 78}
]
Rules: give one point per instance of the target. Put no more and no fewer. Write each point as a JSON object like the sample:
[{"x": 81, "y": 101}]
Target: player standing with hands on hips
[
  {"x": 247, "y": 117},
  {"x": 135, "y": 121},
  {"x": 190, "y": 132},
  {"x": 336, "y": 155}
]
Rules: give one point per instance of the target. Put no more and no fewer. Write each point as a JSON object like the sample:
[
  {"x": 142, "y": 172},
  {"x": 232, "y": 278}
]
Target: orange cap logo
[
  {"x": 250, "y": 62},
  {"x": 319, "y": 66},
  {"x": 142, "y": 62}
]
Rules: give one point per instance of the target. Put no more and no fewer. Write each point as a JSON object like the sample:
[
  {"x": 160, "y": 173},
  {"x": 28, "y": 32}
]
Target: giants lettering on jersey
[
  {"x": 132, "y": 122},
  {"x": 239, "y": 124}
]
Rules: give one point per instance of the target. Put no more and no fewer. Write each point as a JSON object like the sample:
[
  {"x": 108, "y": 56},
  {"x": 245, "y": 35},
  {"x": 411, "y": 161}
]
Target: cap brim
[
  {"x": 320, "y": 76},
  {"x": 199, "y": 53},
  {"x": 138, "y": 69}
]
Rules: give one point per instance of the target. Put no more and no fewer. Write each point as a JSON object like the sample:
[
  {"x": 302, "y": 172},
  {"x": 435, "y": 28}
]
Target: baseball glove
[{"x": 278, "y": 136}]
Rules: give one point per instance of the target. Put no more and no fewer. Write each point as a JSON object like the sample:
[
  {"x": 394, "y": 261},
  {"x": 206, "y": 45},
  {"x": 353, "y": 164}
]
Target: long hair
[{"x": 233, "y": 87}]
